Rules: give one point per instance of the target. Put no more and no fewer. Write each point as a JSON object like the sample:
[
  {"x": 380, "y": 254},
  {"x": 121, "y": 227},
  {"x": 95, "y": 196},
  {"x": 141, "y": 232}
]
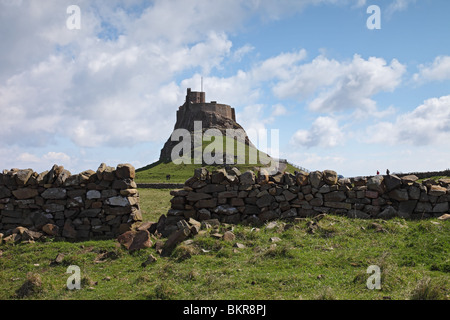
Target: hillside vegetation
[
  {"x": 157, "y": 171},
  {"x": 301, "y": 259}
]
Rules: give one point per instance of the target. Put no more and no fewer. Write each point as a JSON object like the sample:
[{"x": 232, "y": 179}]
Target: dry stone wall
[
  {"x": 55, "y": 203},
  {"x": 232, "y": 197}
]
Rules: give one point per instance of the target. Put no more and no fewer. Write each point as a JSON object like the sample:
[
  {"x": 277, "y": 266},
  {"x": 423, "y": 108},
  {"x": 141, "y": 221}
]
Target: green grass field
[
  {"x": 330, "y": 263},
  {"x": 156, "y": 172}
]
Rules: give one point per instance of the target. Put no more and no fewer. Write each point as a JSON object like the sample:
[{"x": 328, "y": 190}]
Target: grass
[
  {"x": 157, "y": 171},
  {"x": 329, "y": 264}
]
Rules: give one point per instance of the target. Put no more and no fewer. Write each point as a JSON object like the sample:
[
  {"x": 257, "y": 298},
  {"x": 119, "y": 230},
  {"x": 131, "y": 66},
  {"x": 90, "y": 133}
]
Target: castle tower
[
  {"x": 194, "y": 96},
  {"x": 211, "y": 114}
]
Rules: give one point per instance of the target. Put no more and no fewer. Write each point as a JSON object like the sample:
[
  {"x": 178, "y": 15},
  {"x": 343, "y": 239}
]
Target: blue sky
[{"x": 342, "y": 96}]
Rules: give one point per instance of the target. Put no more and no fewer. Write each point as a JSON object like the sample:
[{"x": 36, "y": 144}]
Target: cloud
[
  {"x": 428, "y": 124},
  {"x": 338, "y": 86},
  {"x": 439, "y": 70},
  {"x": 398, "y": 5},
  {"x": 242, "y": 51},
  {"x": 324, "y": 132}
]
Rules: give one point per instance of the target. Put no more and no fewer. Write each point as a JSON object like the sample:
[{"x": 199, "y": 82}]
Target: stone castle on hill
[{"x": 213, "y": 115}]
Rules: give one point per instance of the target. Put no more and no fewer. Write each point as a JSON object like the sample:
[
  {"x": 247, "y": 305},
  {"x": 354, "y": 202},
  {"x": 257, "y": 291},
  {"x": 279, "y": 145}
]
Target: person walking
[{"x": 387, "y": 171}]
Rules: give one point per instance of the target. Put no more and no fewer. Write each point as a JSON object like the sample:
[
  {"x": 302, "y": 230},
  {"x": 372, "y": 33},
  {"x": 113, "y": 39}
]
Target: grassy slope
[
  {"x": 156, "y": 172},
  {"x": 329, "y": 264}
]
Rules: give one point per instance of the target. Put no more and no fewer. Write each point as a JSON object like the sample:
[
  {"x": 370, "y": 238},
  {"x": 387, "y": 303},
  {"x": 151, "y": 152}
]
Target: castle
[
  {"x": 195, "y": 103},
  {"x": 211, "y": 114}
]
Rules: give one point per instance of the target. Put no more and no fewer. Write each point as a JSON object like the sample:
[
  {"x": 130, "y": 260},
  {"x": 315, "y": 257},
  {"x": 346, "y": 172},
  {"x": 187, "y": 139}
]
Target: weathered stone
[
  {"x": 409, "y": 179},
  {"x": 376, "y": 184},
  {"x": 360, "y": 181},
  {"x": 69, "y": 231},
  {"x": 218, "y": 176},
  {"x": 22, "y": 177},
  {"x": 174, "y": 239},
  {"x": 414, "y": 193},
  {"x": 268, "y": 215},
  {"x": 278, "y": 178},
  {"x": 247, "y": 178},
  {"x": 315, "y": 178},
  {"x": 335, "y": 196},
  {"x": 151, "y": 259},
  {"x": 324, "y": 189},
  {"x": 444, "y": 182},
  {"x": 440, "y": 207},
  {"x": 126, "y": 239},
  {"x": 371, "y": 194},
  {"x": 229, "y": 236},
  {"x": 407, "y": 207},
  {"x": 204, "y": 214},
  {"x": 201, "y": 173},
  {"x": 51, "y": 229},
  {"x": 141, "y": 240},
  {"x": 53, "y": 207},
  {"x": 316, "y": 202},
  {"x": 387, "y": 213},
  {"x": 227, "y": 194},
  {"x": 237, "y": 202},
  {"x": 399, "y": 194},
  {"x": 437, "y": 191},
  {"x": 90, "y": 213},
  {"x": 108, "y": 174},
  {"x": 62, "y": 177},
  {"x": 211, "y": 188},
  {"x": 93, "y": 194},
  {"x": 392, "y": 182},
  {"x": 118, "y": 201},
  {"x": 423, "y": 207},
  {"x": 444, "y": 217},
  {"x": 338, "y": 205},
  {"x": 226, "y": 210},
  {"x": 125, "y": 171},
  {"x": 302, "y": 178},
  {"x": 288, "y": 213},
  {"x": 129, "y": 192},
  {"x": 85, "y": 176},
  {"x": 289, "y": 195},
  {"x": 4, "y": 192},
  {"x": 24, "y": 193},
  {"x": 330, "y": 177},
  {"x": 54, "y": 193},
  {"x": 264, "y": 201},
  {"x": 288, "y": 179},
  {"x": 211, "y": 222},
  {"x": 207, "y": 203}
]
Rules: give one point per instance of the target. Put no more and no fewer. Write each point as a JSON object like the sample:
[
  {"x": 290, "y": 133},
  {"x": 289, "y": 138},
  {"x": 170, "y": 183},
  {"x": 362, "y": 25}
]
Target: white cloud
[
  {"x": 340, "y": 86},
  {"x": 439, "y": 70},
  {"x": 428, "y": 124},
  {"x": 242, "y": 51},
  {"x": 398, "y": 5},
  {"x": 324, "y": 132},
  {"x": 278, "y": 110}
]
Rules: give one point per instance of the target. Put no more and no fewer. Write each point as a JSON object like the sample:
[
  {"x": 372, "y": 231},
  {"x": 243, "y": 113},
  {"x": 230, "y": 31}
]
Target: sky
[{"x": 102, "y": 84}]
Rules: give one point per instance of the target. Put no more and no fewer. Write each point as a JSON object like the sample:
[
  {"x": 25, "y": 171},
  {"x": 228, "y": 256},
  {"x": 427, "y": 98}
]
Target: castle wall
[{"x": 217, "y": 108}]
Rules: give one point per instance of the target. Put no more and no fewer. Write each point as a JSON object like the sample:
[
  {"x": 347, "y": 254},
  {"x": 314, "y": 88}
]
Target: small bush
[
  {"x": 426, "y": 290},
  {"x": 31, "y": 286}
]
